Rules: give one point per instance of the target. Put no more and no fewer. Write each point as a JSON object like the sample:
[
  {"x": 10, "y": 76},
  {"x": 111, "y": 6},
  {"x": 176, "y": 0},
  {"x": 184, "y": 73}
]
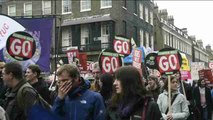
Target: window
[
  {"x": 146, "y": 14},
  {"x": 171, "y": 40},
  {"x": 66, "y": 37},
  {"x": 141, "y": 38},
  {"x": 85, "y": 5},
  {"x": 147, "y": 39},
  {"x": 124, "y": 28},
  {"x": 28, "y": 9},
  {"x": 141, "y": 10},
  {"x": 152, "y": 42},
  {"x": 84, "y": 35},
  {"x": 135, "y": 33},
  {"x": 104, "y": 33},
  {"x": 106, "y": 3},
  {"x": 104, "y": 29},
  {"x": 46, "y": 7},
  {"x": 12, "y": 10},
  {"x": 164, "y": 37},
  {"x": 66, "y": 6},
  {"x": 124, "y": 3},
  {"x": 167, "y": 38},
  {"x": 136, "y": 7},
  {"x": 151, "y": 17}
]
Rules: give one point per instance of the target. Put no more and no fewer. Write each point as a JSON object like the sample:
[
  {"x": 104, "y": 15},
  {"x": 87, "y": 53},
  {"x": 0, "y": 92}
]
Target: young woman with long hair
[{"x": 130, "y": 101}]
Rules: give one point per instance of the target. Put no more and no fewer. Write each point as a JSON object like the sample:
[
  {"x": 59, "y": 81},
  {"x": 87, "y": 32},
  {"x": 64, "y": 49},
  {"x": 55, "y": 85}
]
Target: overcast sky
[{"x": 196, "y": 16}]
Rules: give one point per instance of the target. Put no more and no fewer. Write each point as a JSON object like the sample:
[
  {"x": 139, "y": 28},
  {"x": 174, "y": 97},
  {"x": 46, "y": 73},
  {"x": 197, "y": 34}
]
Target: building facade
[
  {"x": 91, "y": 24},
  {"x": 168, "y": 35}
]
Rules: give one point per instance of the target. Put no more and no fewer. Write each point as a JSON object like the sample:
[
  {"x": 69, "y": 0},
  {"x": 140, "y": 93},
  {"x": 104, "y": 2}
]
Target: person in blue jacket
[{"x": 74, "y": 100}]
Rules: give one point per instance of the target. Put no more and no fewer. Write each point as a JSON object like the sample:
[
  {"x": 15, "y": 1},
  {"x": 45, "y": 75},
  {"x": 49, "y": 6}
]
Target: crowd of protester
[{"x": 123, "y": 95}]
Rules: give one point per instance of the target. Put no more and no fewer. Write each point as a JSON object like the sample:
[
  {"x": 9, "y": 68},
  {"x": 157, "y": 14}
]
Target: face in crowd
[
  {"x": 68, "y": 75},
  {"x": 117, "y": 84},
  {"x": 174, "y": 84},
  {"x": 1, "y": 68},
  {"x": 152, "y": 82},
  {"x": 30, "y": 75},
  {"x": 202, "y": 83},
  {"x": 127, "y": 80}
]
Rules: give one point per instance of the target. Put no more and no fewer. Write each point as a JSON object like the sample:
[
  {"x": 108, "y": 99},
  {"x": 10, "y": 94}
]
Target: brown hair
[
  {"x": 15, "y": 68},
  {"x": 131, "y": 83},
  {"x": 35, "y": 69},
  {"x": 69, "y": 68},
  {"x": 166, "y": 82}
]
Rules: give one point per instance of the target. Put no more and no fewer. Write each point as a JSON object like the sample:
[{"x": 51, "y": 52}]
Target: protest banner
[
  {"x": 7, "y": 27},
  {"x": 137, "y": 59},
  {"x": 109, "y": 62},
  {"x": 122, "y": 45},
  {"x": 41, "y": 31}
]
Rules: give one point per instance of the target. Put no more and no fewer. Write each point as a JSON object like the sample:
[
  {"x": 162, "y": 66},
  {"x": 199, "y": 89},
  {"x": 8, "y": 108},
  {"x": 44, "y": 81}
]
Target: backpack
[{"x": 40, "y": 100}]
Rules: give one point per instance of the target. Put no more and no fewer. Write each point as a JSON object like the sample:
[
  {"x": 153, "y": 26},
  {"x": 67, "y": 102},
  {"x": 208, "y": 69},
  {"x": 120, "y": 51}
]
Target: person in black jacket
[
  {"x": 33, "y": 77},
  {"x": 130, "y": 101},
  {"x": 106, "y": 80},
  {"x": 3, "y": 88},
  {"x": 203, "y": 100},
  {"x": 153, "y": 86}
]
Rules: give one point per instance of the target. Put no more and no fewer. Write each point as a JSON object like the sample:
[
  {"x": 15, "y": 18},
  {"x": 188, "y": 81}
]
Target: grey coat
[
  {"x": 2, "y": 114},
  {"x": 180, "y": 110}
]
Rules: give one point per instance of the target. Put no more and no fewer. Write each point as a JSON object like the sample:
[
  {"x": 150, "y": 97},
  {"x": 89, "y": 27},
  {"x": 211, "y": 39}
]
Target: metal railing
[{"x": 89, "y": 47}]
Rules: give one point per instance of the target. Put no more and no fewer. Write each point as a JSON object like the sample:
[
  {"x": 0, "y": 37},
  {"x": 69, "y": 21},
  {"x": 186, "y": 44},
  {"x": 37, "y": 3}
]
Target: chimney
[
  {"x": 192, "y": 37},
  {"x": 156, "y": 8},
  {"x": 171, "y": 20},
  {"x": 200, "y": 43},
  {"x": 208, "y": 48},
  {"x": 163, "y": 14},
  {"x": 184, "y": 30}
]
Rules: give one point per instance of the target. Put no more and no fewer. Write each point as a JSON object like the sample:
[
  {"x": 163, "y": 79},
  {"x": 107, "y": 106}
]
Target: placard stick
[
  {"x": 183, "y": 88},
  {"x": 169, "y": 92}
]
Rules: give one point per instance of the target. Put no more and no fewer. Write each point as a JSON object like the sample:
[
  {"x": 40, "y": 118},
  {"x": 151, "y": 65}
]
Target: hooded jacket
[
  {"x": 180, "y": 110},
  {"x": 80, "y": 104}
]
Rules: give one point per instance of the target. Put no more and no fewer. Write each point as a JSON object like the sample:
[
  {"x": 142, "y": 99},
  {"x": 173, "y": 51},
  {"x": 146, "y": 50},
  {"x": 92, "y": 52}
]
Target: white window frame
[
  {"x": 104, "y": 28},
  {"x": 141, "y": 10},
  {"x": 151, "y": 17},
  {"x": 87, "y": 2},
  {"x": 141, "y": 37},
  {"x": 43, "y": 7},
  {"x": 84, "y": 34},
  {"x": 164, "y": 36},
  {"x": 147, "y": 39},
  {"x": 69, "y": 6},
  {"x": 29, "y": 10},
  {"x": 66, "y": 37},
  {"x": 103, "y": 7},
  {"x": 146, "y": 14},
  {"x": 8, "y": 10},
  {"x": 152, "y": 42},
  {"x": 104, "y": 35}
]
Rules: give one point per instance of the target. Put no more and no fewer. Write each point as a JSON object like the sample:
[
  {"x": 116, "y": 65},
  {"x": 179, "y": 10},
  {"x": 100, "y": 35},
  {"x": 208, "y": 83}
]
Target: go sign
[
  {"x": 121, "y": 45},
  {"x": 109, "y": 62},
  {"x": 168, "y": 63},
  {"x": 21, "y": 46}
]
